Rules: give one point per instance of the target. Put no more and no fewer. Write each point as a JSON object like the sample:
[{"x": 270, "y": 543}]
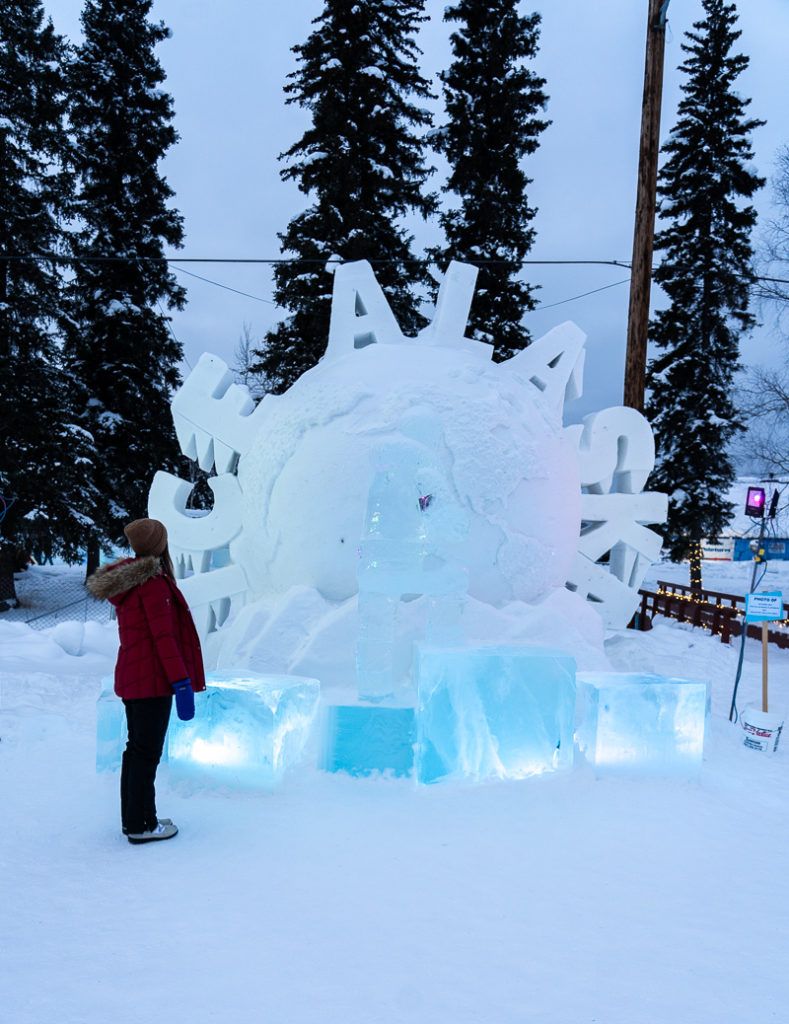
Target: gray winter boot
[{"x": 161, "y": 831}]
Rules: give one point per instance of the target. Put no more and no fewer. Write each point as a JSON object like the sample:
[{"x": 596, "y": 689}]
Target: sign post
[
  {"x": 764, "y": 607},
  {"x": 762, "y": 730},
  {"x": 765, "y": 640}
]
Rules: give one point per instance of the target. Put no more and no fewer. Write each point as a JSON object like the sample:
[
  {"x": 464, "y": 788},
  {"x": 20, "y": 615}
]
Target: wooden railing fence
[{"x": 722, "y": 614}]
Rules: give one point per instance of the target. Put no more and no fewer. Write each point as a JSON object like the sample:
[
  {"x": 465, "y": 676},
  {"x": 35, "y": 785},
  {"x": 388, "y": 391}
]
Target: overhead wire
[
  {"x": 572, "y": 298},
  {"x": 171, "y": 260},
  {"x": 219, "y": 284}
]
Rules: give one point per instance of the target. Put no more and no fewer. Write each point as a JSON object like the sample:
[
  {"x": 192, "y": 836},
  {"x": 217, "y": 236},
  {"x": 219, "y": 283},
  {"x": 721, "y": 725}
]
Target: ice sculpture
[
  {"x": 641, "y": 723},
  {"x": 412, "y": 527},
  {"x": 504, "y": 712},
  {"x": 247, "y": 731},
  {"x": 294, "y": 472},
  {"x": 365, "y": 739}
]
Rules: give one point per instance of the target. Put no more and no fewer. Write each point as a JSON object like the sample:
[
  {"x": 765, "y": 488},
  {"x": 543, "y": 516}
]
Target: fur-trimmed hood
[{"x": 113, "y": 580}]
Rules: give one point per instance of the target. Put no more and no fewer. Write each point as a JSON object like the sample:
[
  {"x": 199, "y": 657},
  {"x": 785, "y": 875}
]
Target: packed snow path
[{"x": 561, "y": 900}]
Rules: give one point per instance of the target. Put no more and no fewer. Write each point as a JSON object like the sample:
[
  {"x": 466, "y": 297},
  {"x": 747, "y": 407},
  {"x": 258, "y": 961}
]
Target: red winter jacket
[{"x": 159, "y": 642}]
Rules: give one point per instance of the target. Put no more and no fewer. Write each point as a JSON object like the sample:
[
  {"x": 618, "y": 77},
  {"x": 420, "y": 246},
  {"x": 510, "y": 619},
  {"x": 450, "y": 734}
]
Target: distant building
[{"x": 735, "y": 542}]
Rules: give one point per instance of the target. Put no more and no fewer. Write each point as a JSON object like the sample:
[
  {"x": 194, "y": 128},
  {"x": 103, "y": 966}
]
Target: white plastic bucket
[{"x": 761, "y": 729}]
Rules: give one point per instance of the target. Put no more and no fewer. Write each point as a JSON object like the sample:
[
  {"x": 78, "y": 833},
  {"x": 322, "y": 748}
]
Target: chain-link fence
[{"x": 48, "y": 595}]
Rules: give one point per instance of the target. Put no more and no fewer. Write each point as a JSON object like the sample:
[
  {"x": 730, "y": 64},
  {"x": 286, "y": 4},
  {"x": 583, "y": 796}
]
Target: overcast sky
[{"x": 226, "y": 64}]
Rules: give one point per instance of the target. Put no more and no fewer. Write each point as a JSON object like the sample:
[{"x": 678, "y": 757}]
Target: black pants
[{"x": 147, "y": 721}]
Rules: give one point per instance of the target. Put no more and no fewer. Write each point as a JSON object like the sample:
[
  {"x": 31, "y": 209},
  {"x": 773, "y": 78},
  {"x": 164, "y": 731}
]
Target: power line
[
  {"x": 166, "y": 318},
  {"x": 56, "y": 258},
  {"x": 583, "y": 295},
  {"x": 257, "y": 298},
  {"x": 219, "y": 284}
]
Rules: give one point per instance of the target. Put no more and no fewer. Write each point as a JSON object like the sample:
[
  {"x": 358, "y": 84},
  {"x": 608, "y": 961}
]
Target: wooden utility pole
[{"x": 641, "y": 274}]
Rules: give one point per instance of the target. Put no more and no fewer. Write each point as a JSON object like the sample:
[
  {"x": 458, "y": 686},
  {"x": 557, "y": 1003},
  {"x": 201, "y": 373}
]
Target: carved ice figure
[
  {"x": 293, "y": 471},
  {"x": 412, "y": 522}
]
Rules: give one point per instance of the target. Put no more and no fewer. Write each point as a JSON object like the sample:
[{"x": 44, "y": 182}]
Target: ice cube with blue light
[
  {"x": 248, "y": 729},
  {"x": 640, "y": 723},
  {"x": 110, "y": 728},
  {"x": 366, "y": 739},
  {"x": 493, "y": 712}
]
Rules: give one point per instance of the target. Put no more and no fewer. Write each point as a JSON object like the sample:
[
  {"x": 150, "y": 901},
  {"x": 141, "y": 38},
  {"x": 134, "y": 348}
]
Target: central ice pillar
[{"x": 412, "y": 520}]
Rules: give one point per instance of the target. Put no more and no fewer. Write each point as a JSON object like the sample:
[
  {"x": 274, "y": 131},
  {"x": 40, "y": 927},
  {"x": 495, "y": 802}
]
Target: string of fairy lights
[{"x": 732, "y": 612}]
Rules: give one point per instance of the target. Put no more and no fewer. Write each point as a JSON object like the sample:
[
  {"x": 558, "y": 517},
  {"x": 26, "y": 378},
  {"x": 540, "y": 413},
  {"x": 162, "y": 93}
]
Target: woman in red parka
[{"x": 159, "y": 657}]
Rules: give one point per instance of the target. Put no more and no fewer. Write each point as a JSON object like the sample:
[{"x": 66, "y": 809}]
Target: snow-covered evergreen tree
[
  {"x": 493, "y": 102},
  {"x": 361, "y": 162},
  {"x": 46, "y": 506},
  {"x": 705, "y": 271},
  {"x": 120, "y": 343}
]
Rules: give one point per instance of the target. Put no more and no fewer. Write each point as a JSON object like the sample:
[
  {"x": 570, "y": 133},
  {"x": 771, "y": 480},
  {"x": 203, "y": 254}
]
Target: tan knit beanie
[{"x": 146, "y": 536}]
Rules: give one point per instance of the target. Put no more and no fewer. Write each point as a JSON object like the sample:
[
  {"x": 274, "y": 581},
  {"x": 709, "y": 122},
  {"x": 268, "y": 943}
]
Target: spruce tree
[
  {"x": 120, "y": 343},
  {"x": 361, "y": 162},
  {"x": 706, "y": 273},
  {"x": 493, "y": 101},
  {"x": 45, "y": 456}
]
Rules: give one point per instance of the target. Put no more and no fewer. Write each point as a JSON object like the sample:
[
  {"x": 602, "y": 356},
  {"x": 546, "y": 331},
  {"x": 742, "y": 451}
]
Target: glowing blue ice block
[
  {"x": 641, "y": 724},
  {"x": 504, "y": 712},
  {"x": 247, "y": 731},
  {"x": 110, "y": 728},
  {"x": 363, "y": 739}
]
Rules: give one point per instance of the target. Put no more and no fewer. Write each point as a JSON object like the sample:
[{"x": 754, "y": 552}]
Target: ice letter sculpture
[
  {"x": 616, "y": 450},
  {"x": 247, "y": 731},
  {"x": 504, "y": 712},
  {"x": 641, "y": 723}
]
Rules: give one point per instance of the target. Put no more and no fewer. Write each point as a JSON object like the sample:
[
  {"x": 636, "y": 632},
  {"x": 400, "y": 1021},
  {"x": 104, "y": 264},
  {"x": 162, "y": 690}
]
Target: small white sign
[{"x": 764, "y": 607}]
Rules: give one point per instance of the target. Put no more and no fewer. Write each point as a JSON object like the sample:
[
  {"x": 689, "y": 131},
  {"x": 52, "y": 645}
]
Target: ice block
[
  {"x": 247, "y": 731},
  {"x": 110, "y": 728},
  {"x": 504, "y": 711},
  {"x": 640, "y": 723},
  {"x": 363, "y": 739}
]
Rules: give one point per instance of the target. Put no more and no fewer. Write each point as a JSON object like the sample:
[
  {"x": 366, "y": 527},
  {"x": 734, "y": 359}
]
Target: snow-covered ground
[{"x": 560, "y": 900}]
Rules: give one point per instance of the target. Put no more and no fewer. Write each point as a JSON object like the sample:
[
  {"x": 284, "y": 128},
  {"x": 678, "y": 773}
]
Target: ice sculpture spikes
[
  {"x": 360, "y": 314},
  {"x": 215, "y": 419},
  {"x": 553, "y": 364}
]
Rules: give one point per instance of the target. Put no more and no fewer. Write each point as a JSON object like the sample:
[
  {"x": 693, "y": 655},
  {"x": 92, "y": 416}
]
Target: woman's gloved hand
[{"x": 184, "y": 699}]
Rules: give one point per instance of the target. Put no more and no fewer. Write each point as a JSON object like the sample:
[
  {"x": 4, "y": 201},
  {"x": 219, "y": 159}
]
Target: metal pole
[{"x": 643, "y": 236}]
